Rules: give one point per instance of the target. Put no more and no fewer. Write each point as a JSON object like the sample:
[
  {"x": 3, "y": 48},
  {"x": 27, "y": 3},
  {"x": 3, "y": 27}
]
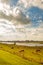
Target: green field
[
  {"x": 20, "y": 55},
  {"x": 10, "y": 59}
]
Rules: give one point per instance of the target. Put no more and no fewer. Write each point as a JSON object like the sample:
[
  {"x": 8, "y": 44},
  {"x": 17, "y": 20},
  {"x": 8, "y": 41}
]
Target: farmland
[{"x": 11, "y": 54}]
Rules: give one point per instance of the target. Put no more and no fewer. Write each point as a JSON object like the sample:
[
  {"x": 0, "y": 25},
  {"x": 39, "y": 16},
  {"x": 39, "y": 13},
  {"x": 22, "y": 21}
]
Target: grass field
[
  {"x": 7, "y": 58},
  {"x": 20, "y": 55}
]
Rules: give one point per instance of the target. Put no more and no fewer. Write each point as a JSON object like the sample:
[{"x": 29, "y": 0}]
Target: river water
[{"x": 29, "y": 44}]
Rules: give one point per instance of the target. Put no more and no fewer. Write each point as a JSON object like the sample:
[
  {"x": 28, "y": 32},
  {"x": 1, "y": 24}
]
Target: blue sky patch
[
  {"x": 13, "y": 2},
  {"x": 36, "y": 14}
]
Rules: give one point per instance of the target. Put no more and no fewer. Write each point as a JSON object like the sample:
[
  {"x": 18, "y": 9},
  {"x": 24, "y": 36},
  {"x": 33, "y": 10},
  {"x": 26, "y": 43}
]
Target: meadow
[{"x": 11, "y": 54}]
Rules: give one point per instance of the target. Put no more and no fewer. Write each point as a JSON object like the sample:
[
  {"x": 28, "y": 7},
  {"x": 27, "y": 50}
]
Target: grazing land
[{"x": 11, "y": 54}]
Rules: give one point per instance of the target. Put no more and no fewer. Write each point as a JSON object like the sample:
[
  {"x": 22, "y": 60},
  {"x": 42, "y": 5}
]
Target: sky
[{"x": 21, "y": 20}]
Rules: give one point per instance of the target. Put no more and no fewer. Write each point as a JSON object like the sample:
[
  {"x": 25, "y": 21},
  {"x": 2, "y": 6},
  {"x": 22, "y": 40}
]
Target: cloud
[
  {"x": 5, "y": 8},
  {"x": 29, "y": 3},
  {"x": 6, "y": 27},
  {"x": 5, "y": 1},
  {"x": 13, "y": 13},
  {"x": 19, "y": 16},
  {"x": 16, "y": 25}
]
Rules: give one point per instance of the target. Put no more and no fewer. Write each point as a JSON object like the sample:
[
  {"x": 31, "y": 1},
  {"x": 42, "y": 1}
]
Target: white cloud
[
  {"x": 15, "y": 12},
  {"x": 29, "y": 3},
  {"x": 5, "y": 1},
  {"x": 6, "y": 9},
  {"x": 19, "y": 16},
  {"x": 6, "y": 27},
  {"x": 15, "y": 28}
]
